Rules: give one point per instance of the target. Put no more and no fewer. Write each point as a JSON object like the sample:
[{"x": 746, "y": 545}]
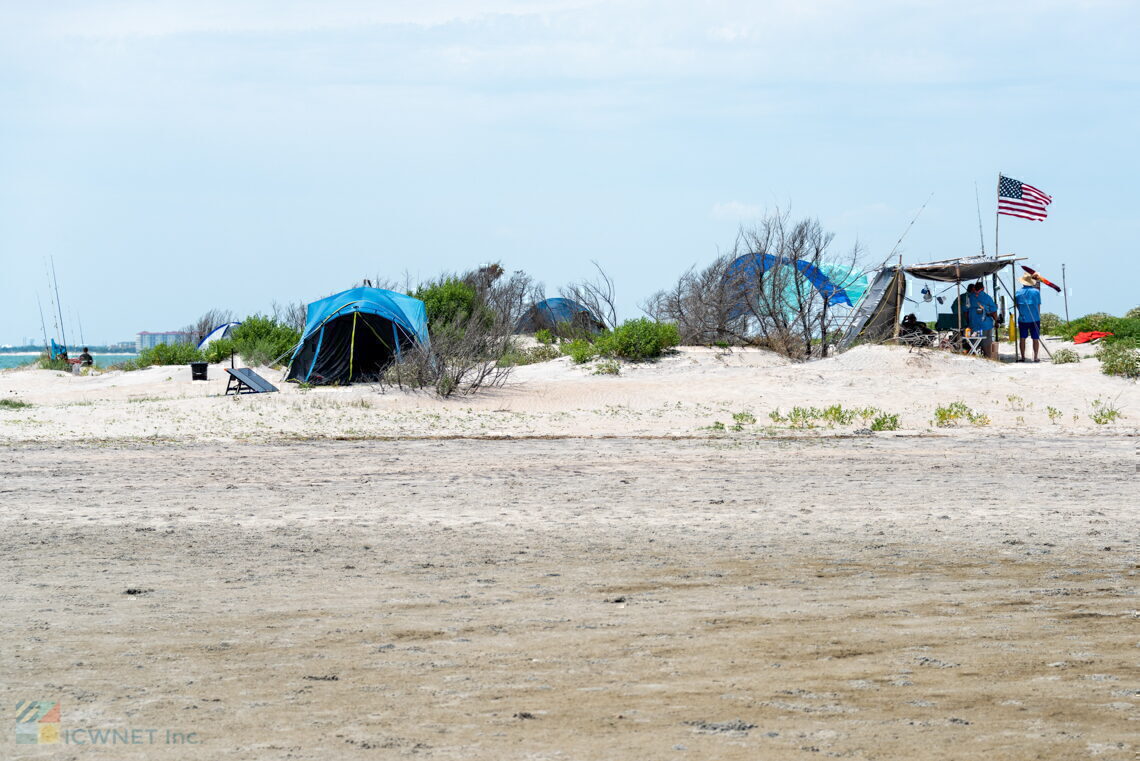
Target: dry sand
[
  {"x": 615, "y": 581},
  {"x": 681, "y": 395}
]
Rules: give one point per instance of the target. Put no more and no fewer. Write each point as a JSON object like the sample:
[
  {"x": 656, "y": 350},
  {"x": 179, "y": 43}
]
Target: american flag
[{"x": 1019, "y": 199}]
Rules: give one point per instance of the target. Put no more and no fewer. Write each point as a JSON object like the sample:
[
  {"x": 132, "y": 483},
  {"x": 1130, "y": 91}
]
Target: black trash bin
[{"x": 198, "y": 370}]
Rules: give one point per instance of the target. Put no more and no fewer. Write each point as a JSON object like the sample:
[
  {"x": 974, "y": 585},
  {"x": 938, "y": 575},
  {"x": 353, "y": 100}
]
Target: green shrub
[
  {"x": 1051, "y": 324},
  {"x": 262, "y": 340},
  {"x": 1104, "y": 412},
  {"x": 608, "y": 367},
  {"x": 950, "y": 414},
  {"x": 579, "y": 350},
  {"x": 1122, "y": 328},
  {"x": 169, "y": 354},
  {"x": 743, "y": 418},
  {"x": 447, "y": 301},
  {"x": 1119, "y": 358},
  {"x": 1065, "y": 357},
  {"x": 638, "y": 339},
  {"x": 836, "y": 414},
  {"x": 13, "y": 404},
  {"x": 885, "y": 422},
  {"x": 219, "y": 350},
  {"x": 544, "y": 337},
  {"x": 46, "y": 363},
  {"x": 529, "y": 356}
]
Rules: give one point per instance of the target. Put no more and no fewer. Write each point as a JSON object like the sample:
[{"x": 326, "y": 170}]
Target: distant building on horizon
[{"x": 148, "y": 340}]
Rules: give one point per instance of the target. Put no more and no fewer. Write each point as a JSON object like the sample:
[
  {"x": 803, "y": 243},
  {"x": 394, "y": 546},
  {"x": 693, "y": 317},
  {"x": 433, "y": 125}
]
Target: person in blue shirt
[
  {"x": 1028, "y": 300},
  {"x": 961, "y": 307},
  {"x": 983, "y": 314}
]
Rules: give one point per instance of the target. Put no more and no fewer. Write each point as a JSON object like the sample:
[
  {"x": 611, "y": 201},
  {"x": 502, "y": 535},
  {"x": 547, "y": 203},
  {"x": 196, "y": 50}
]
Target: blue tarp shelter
[
  {"x": 549, "y": 313},
  {"x": 837, "y": 285},
  {"x": 354, "y": 335}
]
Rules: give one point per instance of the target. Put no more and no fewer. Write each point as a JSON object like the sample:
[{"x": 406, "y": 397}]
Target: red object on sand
[
  {"x": 1091, "y": 335},
  {"x": 1040, "y": 277}
]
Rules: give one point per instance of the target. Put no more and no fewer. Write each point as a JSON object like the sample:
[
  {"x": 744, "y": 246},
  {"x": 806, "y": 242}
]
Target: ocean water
[{"x": 101, "y": 360}]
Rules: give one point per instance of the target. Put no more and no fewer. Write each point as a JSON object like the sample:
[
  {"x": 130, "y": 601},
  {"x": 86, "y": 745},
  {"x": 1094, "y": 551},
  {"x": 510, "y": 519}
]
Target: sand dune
[{"x": 681, "y": 395}]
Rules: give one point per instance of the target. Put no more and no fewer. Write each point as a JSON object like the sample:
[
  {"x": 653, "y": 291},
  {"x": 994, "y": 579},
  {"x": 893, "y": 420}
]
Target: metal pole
[
  {"x": 1012, "y": 271},
  {"x": 997, "y": 220},
  {"x": 1065, "y": 291},
  {"x": 898, "y": 297},
  {"x": 981, "y": 236},
  {"x": 958, "y": 298}
]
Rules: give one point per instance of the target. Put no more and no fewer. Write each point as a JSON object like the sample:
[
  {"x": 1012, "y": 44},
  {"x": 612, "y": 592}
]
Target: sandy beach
[{"x": 578, "y": 566}]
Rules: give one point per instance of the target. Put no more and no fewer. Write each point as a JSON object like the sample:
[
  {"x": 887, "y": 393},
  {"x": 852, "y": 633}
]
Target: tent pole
[
  {"x": 958, "y": 298},
  {"x": 352, "y": 345}
]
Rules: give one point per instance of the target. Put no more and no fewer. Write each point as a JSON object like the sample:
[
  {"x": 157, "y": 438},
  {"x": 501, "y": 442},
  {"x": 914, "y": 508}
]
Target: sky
[{"x": 173, "y": 157}]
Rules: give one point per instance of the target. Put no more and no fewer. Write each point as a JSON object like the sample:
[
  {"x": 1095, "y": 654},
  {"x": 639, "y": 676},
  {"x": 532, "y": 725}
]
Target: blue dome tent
[
  {"x": 354, "y": 335},
  {"x": 549, "y": 313}
]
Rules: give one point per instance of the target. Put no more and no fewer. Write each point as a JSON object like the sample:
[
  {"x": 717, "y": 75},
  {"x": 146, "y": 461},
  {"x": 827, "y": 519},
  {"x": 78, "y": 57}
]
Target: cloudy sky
[{"x": 178, "y": 156}]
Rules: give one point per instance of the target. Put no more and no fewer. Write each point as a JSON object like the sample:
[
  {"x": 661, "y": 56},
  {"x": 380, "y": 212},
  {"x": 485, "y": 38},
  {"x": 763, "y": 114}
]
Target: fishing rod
[
  {"x": 907, "y": 230},
  {"x": 981, "y": 236},
  {"x": 79, "y": 322},
  {"x": 51, "y": 297},
  {"x": 43, "y": 327},
  {"x": 58, "y": 305}
]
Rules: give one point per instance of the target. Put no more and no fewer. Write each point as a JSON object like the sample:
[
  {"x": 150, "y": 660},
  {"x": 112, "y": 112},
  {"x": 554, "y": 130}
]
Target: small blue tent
[
  {"x": 549, "y": 313},
  {"x": 354, "y": 335},
  {"x": 222, "y": 331}
]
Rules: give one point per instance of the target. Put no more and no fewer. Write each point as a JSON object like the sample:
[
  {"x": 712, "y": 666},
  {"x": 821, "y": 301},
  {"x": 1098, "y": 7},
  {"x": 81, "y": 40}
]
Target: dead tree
[
  {"x": 293, "y": 314},
  {"x": 766, "y": 291},
  {"x": 597, "y": 295},
  {"x": 208, "y": 321}
]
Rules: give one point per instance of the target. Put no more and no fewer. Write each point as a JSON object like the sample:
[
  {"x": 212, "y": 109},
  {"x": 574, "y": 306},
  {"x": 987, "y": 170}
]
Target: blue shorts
[{"x": 1029, "y": 329}]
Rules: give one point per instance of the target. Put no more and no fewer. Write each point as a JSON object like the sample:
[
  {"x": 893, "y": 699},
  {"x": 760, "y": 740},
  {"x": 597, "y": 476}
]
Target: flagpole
[
  {"x": 1013, "y": 269},
  {"x": 997, "y": 220}
]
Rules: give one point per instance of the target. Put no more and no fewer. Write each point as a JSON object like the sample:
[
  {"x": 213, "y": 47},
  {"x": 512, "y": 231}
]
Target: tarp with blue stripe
[{"x": 837, "y": 285}]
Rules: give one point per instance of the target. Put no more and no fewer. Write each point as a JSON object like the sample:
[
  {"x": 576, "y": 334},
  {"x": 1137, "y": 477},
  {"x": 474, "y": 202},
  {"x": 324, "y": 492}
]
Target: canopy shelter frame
[{"x": 868, "y": 320}]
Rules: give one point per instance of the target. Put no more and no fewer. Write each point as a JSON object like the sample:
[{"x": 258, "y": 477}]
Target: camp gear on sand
[
  {"x": 246, "y": 381},
  {"x": 1090, "y": 336}
]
